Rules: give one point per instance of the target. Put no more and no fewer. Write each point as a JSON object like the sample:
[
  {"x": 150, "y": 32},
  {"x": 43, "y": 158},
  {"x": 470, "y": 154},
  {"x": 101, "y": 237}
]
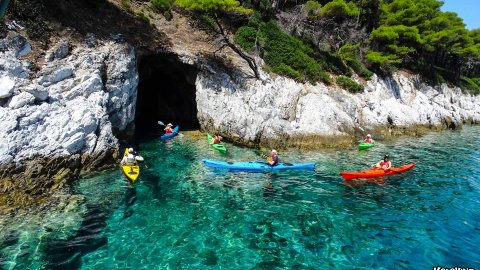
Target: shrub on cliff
[
  {"x": 127, "y": 6},
  {"x": 339, "y": 8},
  {"x": 161, "y": 5},
  {"x": 313, "y": 8},
  {"x": 282, "y": 53},
  {"x": 350, "y": 53},
  {"x": 349, "y": 84},
  {"x": 32, "y": 13},
  {"x": 143, "y": 17},
  {"x": 471, "y": 85},
  {"x": 246, "y": 37}
]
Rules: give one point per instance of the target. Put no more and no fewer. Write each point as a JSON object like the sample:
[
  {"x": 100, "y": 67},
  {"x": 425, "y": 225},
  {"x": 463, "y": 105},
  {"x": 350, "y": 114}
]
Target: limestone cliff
[
  {"x": 61, "y": 113},
  {"x": 58, "y": 121},
  {"x": 280, "y": 112}
]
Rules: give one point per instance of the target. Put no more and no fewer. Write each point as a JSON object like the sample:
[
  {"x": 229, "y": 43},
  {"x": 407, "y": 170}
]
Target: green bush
[
  {"x": 32, "y": 13},
  {"x": 340, "y": 8},
  {"x": 350, "y": 53},
  {"x": 325, "y": 77},
  {"x": 470, "y": 85},
  {"x": 283, "y": 49},
  {"x": 349, "y": 84},
  {"x": 161, "y": 5},
  {"x": 287, "y": 71},
  {"x": 360, "y": 69},
  {"x": 333, "y": 62},
  {"x": 127, "y": 6},
  {"x": 168, "y": 15},
  {"x": 313, "y": 8},
  {"x": 245, "y": 37},
  {"x": 282, "y": 53},
  {"x": 143, "y": 17}
]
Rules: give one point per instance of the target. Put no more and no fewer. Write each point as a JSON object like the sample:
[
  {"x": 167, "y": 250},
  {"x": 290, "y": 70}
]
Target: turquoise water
[{"x": 181, "y": 215}]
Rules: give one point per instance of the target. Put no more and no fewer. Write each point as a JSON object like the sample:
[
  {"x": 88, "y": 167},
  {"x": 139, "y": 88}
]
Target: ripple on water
[{"x": 181, "y": 215}]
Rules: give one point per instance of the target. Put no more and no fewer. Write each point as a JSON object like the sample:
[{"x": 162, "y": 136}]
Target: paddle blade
[{"x": 161, "y": 123}]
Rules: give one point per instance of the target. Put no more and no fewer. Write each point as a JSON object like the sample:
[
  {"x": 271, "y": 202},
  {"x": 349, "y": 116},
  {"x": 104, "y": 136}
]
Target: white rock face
[
  {"x": 282, "y": 110},
  {"x": 68, "y": 108},
  {"x": 6, "y": 86},
  {"x": 21, "y": 100}
]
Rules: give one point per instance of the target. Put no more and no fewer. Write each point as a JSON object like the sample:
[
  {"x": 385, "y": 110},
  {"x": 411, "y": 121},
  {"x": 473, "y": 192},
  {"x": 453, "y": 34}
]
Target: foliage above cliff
[
  {"x": 383, "y": 35},
  {"x": 306, "y": 39}
]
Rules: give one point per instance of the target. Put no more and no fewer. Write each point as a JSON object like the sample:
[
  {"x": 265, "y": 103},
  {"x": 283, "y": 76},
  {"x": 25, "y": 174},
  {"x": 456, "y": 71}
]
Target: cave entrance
[{"x": 166, "y": 92}]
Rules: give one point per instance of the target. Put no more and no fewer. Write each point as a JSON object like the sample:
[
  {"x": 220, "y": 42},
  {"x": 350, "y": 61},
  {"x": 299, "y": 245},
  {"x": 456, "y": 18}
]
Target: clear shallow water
[{"x": 181, "y": 215}]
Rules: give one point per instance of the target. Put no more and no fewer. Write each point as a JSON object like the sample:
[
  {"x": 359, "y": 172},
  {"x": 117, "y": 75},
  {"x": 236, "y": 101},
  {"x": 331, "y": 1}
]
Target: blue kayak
[
  {"x": 170, "y": 135},
  {"x": 255, "y": 166}
]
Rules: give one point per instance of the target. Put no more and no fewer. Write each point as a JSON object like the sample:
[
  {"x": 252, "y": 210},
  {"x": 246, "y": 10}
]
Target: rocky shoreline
[
  {"x": 62, "y": 117},
  {"x": 282, "y": 113},
  {"x": 59, "y": 122}
]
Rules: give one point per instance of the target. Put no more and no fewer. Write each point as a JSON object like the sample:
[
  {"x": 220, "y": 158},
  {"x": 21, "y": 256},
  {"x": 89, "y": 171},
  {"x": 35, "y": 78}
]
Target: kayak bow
[
  {"x": 255, "y": 166},
  {"x": 370, "y": 173},
  {"x": 365, "y": 145},
  {"x": 131, "y": 171}
]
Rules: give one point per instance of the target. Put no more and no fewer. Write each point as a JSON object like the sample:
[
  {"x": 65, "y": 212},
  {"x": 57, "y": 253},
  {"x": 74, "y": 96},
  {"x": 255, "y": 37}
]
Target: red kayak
[{"x": 377, "y": 172}]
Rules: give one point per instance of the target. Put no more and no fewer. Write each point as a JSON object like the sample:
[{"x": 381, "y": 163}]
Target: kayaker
[
  {"x": 168, "y": 129},
  {"x": 273, "y": 159},
  {"x": 217, "y": 139},
  {"x": 384, "y": 164},
  {"x": 369, "y": 139},
  {"x": 131, "y": 159}
]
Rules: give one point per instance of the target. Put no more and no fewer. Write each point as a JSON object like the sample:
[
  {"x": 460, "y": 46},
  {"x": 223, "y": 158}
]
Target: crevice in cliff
[{"x": 166, "y": 92}]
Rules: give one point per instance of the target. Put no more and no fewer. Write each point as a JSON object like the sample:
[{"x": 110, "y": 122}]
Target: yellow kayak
[{"x": 131, "y": 171}]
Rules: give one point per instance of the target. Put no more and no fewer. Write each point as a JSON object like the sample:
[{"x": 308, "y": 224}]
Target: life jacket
[
  {"x": 131, "y": 159},
  {"x": 368, "y": 140},
  {"x": 384, "y": 164},
  {"x": 216, "y": 140},
  {"x": 275, "y": 160},
  {"x": 168, "y": 130}
]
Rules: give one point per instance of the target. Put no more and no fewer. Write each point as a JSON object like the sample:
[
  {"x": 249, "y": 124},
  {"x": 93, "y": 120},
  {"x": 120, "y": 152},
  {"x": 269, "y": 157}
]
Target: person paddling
[
  {"x": 168, "y": 129},
  {"x": 273, "y": 159},
  {"x": 369, "y": 139},
  {"x": 131, "y": 159},
  {"x": 217, "y": 139},
  {"x": 384, "y": 164}
]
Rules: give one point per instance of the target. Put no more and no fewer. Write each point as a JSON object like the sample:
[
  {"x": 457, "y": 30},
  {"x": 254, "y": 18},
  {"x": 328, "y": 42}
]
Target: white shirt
[{"x": 130, "y": 159}]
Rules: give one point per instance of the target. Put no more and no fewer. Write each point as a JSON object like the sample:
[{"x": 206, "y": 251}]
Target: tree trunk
[{"x": 251, "y": 62}]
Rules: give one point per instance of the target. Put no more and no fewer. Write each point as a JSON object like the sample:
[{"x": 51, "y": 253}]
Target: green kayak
[
  {"x": 365, "y": 145},
  {"x": 220, "y": 147}
]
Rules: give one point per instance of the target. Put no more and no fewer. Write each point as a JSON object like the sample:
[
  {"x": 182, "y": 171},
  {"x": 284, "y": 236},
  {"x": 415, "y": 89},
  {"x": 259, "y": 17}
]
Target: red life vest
[
  {"x": 384, "y": 164},
  {"x": 368, "y": 140}
]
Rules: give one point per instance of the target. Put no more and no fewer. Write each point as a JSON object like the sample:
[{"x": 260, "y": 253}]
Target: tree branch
[{"x": 251, "y": 62}]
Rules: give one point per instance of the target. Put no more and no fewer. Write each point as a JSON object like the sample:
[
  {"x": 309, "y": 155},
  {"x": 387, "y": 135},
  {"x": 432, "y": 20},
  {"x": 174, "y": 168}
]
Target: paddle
[{"x": 143, "y": 162}]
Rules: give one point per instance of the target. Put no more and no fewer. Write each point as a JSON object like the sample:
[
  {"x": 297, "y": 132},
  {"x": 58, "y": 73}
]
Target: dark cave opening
[{"x": 166, "y": 92}]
